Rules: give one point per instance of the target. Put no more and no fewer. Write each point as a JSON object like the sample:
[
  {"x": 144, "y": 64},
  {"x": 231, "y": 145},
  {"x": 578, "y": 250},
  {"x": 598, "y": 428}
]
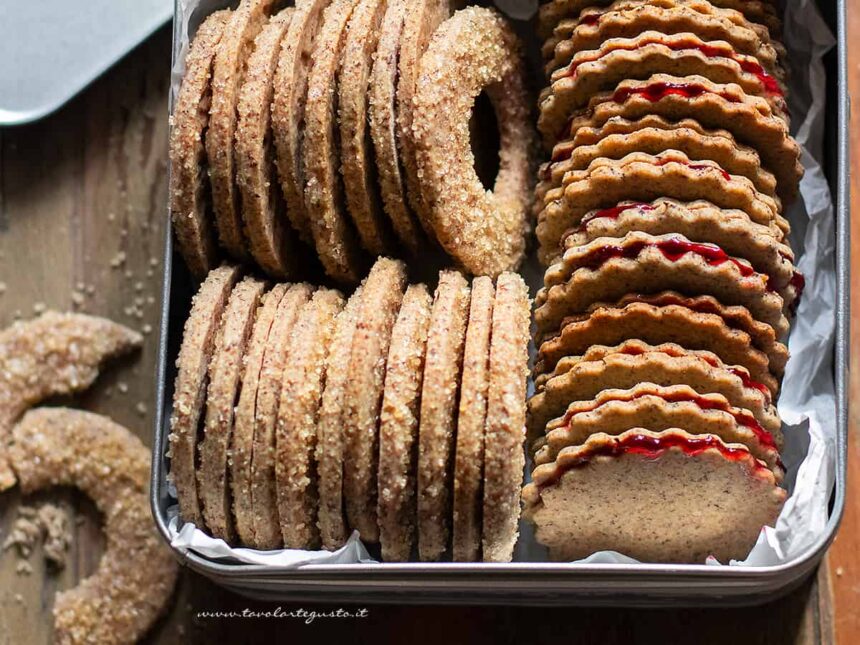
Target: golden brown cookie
[
  {"x": 192, "y": 226},
  {"x": 242, "y": 440},
  {"x": 228, "y": 69},
  {"x": 189, "y": 390},
  {"x": 469, "y": 452},
  {"x": 398, "y": 425},
  {"x": 423, "y": 17},
  {"x": 474, "y": 51},
  {"x": 330, "y": 428},
  {"x": 382, "y": 294},
  {"x": 438, "y": 417},
  {"x": 225, "y": 369},
  {"x": 271, "y": 240},
  {"x": 583, "y": 502},
  {"x": 334, "y": 235},
  {"x": 134, "y": 579},
  {"x": 264, "y": 503},
  {"x": 298, "y": 413},
  {"x": 383, "y": 127},
  {"x": 53, "y": 355},
  {"x": 504, "y": 433},
  {"x": 356, "y": 153},
  {"x": 288, "y": 107}
]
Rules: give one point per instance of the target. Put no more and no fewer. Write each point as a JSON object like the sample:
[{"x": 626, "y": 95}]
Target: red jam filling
[
  {"x": 614, "y": 213},
  {"x": 799, "y": 283},
  {"x": 741, "y": 373},
  {"x": 693, "y": 166},
  {"x": 672, "y": 248},
  {"x": 742, "y": 418},
  {"x": 653, "y": 448},
  {"x": 653, "y": 92},
  {"x": 590, "y": 19},
  {"x": 746, "y": 63}
]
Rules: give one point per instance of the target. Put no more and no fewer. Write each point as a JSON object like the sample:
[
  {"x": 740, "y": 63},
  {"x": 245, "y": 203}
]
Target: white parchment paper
[{"x": 808, "y": 400}]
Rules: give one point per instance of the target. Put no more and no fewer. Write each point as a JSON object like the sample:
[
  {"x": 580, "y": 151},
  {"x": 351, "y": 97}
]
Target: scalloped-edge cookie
[
  {"x": 655, "y": 325},
  {"x": 626, "y": 18},
  {"x": 653, "y": 134},
  {"x": 643, "y": 177},
  {"x": 705, "y": 374},
  {"x": 609, "y": 268},
  {"x": 583, "y": 502},
  {"x": 730, "y": 229},
  {"x": 659, "y": 408},
  {"x": 713, "y": 105},
  {"x": 590, "y": 72}
]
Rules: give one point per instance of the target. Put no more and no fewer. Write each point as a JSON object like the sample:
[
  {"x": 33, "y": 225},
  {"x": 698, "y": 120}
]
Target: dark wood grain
[{"x": 87, "y": 185}]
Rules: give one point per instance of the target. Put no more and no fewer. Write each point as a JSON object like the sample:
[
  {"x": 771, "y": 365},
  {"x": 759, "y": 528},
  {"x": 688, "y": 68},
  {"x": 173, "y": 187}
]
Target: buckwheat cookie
[
  {"x": 330, "y": 427},
  {"x": 634, "y": 362},
  {"x": 590, "y": 72},
  {"x": 422, "y": 19},
  {"x": 353, "y": 77},
  {"x": 264, "y": 502},
  {"x": 298, "y": 414},
  {"x": 654, "y": 325},
  {"x": 225, "y": 369},
  {"x": 437, "y": 419},
  {"x": 271, "y": 240},
  {"x": 133, "y": 581},
  {"x": 652, "y": 134},
  {"x": 244, "y": 421},
  {"x": 660, "y": 408},
  {"x": 714, "y": 105},
  {"x": 504, "y": 431},
  {"x": 763, "y": 336},
  {"x": 334, "y": 235},
  {"x": 469, "y": 452},
  {"x": 53, "y": 355},
  {"x": 398, "y": 425},
  {"x": 383, "y": 127},
  {"x": 582, "y": 502},
  {"x": 382, "y": 294},
  {"x": 189, "y": 390},
  {"x": 228, "y": 70},
  {"x": 626, "y": 18},
  {"x": 288, "y": 107},
  {"x": 608, "y": 268},
  {"x": 474, "y": 51},
  {"x": 195, "y": 237},
  {"x": 700, "y": 221},
  {"x": 643, "y": 177}
]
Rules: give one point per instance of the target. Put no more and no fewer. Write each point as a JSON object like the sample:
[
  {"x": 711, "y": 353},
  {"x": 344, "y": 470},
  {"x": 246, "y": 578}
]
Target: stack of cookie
[
  {"x": 298, "y": 127},
  {"x": 670, "y": 282},
  {"x": 299, "y": 415}
]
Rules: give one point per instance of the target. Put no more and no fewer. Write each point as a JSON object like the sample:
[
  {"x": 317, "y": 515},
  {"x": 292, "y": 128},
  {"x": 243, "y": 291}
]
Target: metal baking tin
[{"x": 533, "y": 582}]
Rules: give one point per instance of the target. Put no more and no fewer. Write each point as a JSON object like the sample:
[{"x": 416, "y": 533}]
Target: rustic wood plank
[
  {"x": 844, "y": 556},
  {"x": 82, "y": 197}
]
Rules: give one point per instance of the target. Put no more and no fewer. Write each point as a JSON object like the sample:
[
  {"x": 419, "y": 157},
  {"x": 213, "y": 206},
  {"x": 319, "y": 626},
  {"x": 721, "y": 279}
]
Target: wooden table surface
[{"x": 82, "y": 215}]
